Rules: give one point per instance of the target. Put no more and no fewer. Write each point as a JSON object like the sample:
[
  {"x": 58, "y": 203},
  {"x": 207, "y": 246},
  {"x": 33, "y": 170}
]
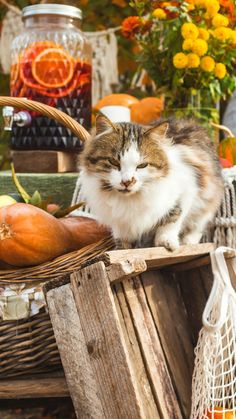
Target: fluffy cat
[{"x": 161, "y": 183}]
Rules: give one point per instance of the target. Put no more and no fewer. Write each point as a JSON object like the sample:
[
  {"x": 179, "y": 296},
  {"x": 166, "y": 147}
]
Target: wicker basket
[{"x": 27, "y": 343}]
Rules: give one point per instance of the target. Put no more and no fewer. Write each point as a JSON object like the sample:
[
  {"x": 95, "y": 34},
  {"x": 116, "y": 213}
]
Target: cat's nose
[{"x": 129, "y": 182}]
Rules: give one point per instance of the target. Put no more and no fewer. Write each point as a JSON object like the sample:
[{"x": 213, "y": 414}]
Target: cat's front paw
[
  {"x": 122, "y": 244},
  {"x": 170, "y": 243}
]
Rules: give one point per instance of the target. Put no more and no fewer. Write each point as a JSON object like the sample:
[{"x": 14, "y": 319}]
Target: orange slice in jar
[
  {"x": 53, "y": 68},
  {"x": 14, "y": 73},
  {"x": 26, "y": 58}
]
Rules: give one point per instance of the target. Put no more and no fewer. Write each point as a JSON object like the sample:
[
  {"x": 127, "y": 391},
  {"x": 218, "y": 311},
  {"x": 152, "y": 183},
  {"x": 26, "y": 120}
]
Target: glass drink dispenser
[{"x": 51, "y": 63}]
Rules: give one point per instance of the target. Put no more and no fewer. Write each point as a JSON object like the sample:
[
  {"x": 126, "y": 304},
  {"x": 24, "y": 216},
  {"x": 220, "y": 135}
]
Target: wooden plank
[
  {"x": 109, "y": 358},
  {"x": 58, "y": 186},
  {"x": 153, "y": 355},
  {"x": 193, "y": 292},
  {"x": 156, "y": 257},
  {"x": 170, "y": 318},
  {"x": 74, "y": 354},
  {"x": 44, "y": 161},
  {"x": 144, "y": 388},
  {"x": 33, "y": 388},
  {"x": 125, "y": 270}
]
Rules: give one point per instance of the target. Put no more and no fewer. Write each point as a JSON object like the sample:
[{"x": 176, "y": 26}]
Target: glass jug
[{"x": 51, "y": 63}]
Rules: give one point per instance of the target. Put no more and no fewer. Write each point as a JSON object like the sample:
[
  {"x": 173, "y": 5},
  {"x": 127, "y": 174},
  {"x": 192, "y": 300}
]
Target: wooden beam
[
  {"x": 33, "y": 388},
  {"x": 105, "y": 342},
  {"x": 126, "y": 269},
  {"x": 74, "y": 354},
  {"x": 156, "y": 257},
  {"x": 152, "y": 351}
]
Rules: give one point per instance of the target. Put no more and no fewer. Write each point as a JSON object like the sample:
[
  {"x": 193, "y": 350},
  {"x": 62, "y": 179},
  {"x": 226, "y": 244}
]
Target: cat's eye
[
  {"x": 142, "y": 165},
  {"x": 114, "y": 162}
]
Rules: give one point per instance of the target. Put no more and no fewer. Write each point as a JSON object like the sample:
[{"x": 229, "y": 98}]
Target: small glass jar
[{"x": 51, "y": 63}]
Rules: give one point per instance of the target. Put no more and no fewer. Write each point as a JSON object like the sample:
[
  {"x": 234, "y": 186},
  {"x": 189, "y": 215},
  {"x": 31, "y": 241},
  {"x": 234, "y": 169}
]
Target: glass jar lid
[{"x": 52, "y": 9}]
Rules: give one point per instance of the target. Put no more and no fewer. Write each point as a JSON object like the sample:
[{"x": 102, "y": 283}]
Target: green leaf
[
  {"x": 36, "y": 199},
  {"x": 18, "y": 186}
]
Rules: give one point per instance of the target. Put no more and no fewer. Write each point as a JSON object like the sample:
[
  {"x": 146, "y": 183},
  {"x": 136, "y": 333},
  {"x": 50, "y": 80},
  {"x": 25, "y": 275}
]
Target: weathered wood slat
[
  {"x": 156, "y": 257},
  {"x": 73, "y": 351},
  {"x": 194, "y": 296},
  {"x": 153, "y": 356},
  {"x": 36, "y": 387},
  {"x": 170, "y": 318},
  {"x": 143, "y": 384},
  {"x": 109, "y": 359}
]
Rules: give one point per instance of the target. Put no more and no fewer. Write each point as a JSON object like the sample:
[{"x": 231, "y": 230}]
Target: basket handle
[{"x": 49, "y": 111}]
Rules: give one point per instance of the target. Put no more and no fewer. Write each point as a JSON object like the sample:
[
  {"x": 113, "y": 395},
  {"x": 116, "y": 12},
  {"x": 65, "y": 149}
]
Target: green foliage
[{"x": 160, "y": 38}]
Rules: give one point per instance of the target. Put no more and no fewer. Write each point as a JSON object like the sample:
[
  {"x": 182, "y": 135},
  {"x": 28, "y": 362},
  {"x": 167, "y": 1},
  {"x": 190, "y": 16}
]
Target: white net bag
[{"x": 214, "y": 376}]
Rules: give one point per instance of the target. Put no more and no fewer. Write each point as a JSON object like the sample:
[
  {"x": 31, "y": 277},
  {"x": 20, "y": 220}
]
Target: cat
[{"x": 161, "y": 182}]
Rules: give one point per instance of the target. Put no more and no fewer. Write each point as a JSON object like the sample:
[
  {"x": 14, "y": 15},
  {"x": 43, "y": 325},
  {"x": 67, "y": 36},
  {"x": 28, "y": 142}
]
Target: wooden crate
[{"x": 126, "y": 326}]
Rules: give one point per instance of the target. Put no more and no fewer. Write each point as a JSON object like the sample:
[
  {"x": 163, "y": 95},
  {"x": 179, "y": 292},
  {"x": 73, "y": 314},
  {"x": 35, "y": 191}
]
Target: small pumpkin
[
  {"x": 219, "y": 413},
  {"x": 227, "y": 147},
  {"x": 116, "y": 99},
  {"x": 147, "y": 110},
  {"x": 143, "y": 111},
  {"x": 84, "y": 230},
  {"x": 30, "y": 236}
]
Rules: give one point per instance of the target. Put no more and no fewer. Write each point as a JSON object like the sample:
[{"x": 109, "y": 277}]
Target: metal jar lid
[{"x": 52, "y": 9}]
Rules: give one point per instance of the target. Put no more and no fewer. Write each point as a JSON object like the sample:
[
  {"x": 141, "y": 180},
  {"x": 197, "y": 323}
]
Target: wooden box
[{"x": 126, "y": 326}]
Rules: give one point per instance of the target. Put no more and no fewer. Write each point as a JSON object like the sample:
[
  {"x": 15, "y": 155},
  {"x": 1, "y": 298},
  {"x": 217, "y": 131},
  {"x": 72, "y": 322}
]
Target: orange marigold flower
[{"x": 130, "y": 26}]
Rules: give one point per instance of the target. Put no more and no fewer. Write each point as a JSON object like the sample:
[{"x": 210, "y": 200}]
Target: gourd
[
  {"x": 143, "y": 111},
  {"x": 147, "y": 110},
  {"x": 30, "y": 236},
  {"x": 84, "y": 230},
  {"x": 227, "y": 147},
  {"x": 116, "y": 99}
]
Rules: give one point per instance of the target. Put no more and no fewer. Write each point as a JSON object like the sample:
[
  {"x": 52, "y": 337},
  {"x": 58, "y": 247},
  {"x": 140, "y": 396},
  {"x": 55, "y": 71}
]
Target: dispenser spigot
[{"x": 21, "y": 118}]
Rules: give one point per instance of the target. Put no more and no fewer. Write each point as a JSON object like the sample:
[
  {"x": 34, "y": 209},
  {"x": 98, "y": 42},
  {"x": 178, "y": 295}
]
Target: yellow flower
[
  {"x": 180, "y": 60},
  {"x": 189, "y": 30},
  {"x": 191, "y": 7},
  {"x": 193, "y": 60},
  {"x": 207, "y": 63},
  {"x": 200, "y": 3},
  {"x": 220, "y": 20},
  {"x": 220, "y": 70},
  {"x": 222, "y": 33},
  {"x": 187, "y": 44},
  {"x": 233, "y": 38},
  {"x": 203, "y": 34},
  {"x": 212, "y": 7},
  {"x": 200, "y": 47},
  {"x": 159, "y": 14}
]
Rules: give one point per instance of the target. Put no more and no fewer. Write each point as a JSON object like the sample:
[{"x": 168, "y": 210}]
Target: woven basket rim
[
  {"x": 49, "y": 111},
  {"x": 59, "y": 266}
]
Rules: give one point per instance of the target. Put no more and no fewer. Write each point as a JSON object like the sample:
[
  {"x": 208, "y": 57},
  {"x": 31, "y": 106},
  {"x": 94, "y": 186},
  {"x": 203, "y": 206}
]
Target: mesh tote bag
[{"x": 214, "y": 376}]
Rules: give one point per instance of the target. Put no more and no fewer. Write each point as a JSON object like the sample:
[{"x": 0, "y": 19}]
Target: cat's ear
[
  {"x": 159, "y": 130},
  {"x": 103, "y": 124}
]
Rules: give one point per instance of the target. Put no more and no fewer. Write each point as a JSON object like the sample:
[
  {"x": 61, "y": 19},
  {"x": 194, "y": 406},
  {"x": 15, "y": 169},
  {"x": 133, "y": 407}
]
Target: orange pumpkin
[
  {"x": 219, "y": 414},
  {"x": 84, "y": 230},
  {"x": 116, "y": 99},
  {"x": 147, "y": 110},
  {"x": 227, "y": 147},
  {"x": 30, "y": 236},
  {"x": 143, "y": 111}
]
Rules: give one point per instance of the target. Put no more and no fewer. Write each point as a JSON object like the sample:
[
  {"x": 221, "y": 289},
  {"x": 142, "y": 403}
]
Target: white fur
[{"x": 149, "y": 199}]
